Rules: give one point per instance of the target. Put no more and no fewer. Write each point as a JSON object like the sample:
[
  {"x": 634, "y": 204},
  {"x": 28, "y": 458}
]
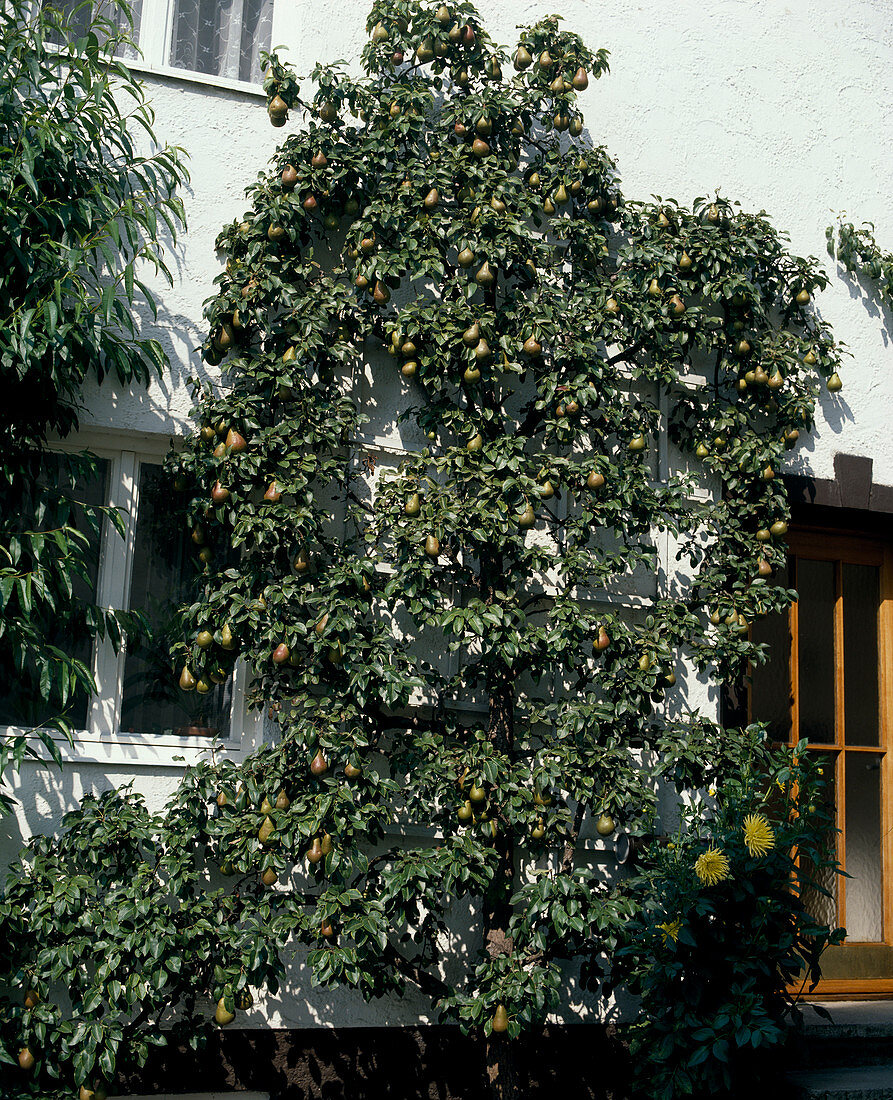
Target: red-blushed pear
[
  {"x": 235, "y": 441},
  {"x": 319, "y": 765}
]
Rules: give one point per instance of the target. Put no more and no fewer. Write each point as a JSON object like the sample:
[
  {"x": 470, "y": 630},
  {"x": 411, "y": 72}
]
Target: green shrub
[{"x": 724, "y": 940}]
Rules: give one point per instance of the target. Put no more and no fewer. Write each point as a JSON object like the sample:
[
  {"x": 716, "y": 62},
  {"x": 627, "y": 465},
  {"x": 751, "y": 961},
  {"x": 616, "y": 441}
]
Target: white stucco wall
[
  {"x": 787, "y": 107},
  {"x": 784, "y": 107}
]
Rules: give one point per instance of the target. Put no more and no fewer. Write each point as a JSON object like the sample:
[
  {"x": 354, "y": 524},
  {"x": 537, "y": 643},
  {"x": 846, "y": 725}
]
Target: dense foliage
[
  {"x": 858, "y": 250},
  {"x": 83, "y": 210},
  {"x": 725, "y": 930},
  {"x": 476, "y": 666}
]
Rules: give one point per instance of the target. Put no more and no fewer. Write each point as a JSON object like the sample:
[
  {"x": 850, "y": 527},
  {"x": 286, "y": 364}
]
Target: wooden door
[{"x": 830, "y": 682}]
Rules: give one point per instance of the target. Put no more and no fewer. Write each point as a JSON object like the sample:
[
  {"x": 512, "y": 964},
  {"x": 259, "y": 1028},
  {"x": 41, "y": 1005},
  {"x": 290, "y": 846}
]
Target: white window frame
[
  {"x": 155, "y": 32},
  {"x": 103, "y": 741}
]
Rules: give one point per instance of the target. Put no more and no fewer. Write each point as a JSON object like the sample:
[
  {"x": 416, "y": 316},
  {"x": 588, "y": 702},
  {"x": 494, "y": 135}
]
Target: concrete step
[
  {"x": 860, "y": 1083},
  {"x": 859, "y": 1035}
]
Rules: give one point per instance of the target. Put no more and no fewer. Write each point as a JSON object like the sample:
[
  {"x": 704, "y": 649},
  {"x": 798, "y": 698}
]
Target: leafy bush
[
  {"x": 119, "y": 937},
  {"x": 724, "y": 941},
  {"x": 83, "y": 212}
]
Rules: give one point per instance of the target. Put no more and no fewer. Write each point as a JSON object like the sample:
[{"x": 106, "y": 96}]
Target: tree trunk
[{"x": 501, "y": 1069}]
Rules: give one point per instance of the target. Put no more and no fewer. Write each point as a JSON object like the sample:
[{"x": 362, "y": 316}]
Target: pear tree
[{"x": 469, "y": 692}]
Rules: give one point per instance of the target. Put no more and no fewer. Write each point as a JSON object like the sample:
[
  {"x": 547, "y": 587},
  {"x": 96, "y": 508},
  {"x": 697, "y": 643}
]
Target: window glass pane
[
  {"x": 221, "y": 38},
  {"x": 64, "y": 490},
  {"x": 770, "y": 694},
  {"x": 815, "y": 640},
  {"x": 864, "y": 903},
  {"x": 861, "y": 599},
  {"x": 162, "y": 570},
  {"x": 80, "y": 13},
  {"x": 820, "y": 898}
]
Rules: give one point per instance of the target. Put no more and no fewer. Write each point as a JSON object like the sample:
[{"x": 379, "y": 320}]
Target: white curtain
[{"x": 221, "y": 37}]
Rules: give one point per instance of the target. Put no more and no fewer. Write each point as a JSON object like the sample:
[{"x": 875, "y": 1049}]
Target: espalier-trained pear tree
[{"x": 463, "y": 712}]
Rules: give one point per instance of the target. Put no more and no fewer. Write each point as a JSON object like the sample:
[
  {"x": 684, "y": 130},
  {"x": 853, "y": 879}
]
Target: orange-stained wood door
[{"x": 830, "y": 682}]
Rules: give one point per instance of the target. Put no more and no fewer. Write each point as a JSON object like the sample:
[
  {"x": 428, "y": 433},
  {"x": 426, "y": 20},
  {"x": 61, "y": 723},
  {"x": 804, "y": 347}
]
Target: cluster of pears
[
  {"x": 26, "y": 1058},
  {"x": 242, "y": 1000},
  {"x": 475, "y": 809},
  {"x": 282, "y": 655},
  {"x": 218, "y": 670}
]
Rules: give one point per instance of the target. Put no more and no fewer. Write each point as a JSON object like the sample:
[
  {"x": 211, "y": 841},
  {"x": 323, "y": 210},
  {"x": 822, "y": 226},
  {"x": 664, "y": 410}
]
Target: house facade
[{"x": 785, "y": 109}]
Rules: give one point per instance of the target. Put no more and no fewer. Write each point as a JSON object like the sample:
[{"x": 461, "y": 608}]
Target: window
[
  {"x": 139, "y": 712},
  {"x": 830, "y": 681},
  {"x": 21, "y": 703},
  {"x": 218, "y": 39}
]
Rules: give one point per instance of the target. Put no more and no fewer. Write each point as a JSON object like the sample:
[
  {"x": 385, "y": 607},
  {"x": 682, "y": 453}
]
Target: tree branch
[{"x": 570, "y": 842}]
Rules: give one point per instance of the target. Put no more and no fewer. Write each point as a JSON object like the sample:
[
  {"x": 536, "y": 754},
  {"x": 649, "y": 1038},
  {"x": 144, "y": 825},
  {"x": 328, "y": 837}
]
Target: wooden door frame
[{"x": 868, "y": 548}]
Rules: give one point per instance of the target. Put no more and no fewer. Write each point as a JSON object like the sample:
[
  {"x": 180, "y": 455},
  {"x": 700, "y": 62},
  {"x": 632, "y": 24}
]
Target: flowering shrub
[{"x": 724, "y": 941}]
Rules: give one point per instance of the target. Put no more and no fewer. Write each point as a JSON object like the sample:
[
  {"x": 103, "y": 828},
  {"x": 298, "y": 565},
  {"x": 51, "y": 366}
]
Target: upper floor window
[
  {"x": 138, "y": 710},
  {"x": 217, "y": 38}
]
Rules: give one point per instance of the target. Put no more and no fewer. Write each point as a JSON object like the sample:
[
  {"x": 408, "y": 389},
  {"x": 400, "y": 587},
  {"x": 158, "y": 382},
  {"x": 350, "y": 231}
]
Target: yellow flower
[
  {"x": 758, "y": 835},
  {"x": 712, "y": 866},
  {"x": 670, "y": 929}
]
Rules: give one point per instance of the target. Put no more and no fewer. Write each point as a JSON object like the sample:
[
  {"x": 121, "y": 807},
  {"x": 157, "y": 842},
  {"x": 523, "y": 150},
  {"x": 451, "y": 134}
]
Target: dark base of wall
[{"x": 584, "y": 1062}]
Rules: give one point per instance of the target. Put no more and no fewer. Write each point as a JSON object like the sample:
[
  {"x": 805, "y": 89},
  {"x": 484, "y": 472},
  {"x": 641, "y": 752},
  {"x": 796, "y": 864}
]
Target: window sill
[
  {"x": 142, "y": 749},
  {"x": 186, "y": 76}
]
